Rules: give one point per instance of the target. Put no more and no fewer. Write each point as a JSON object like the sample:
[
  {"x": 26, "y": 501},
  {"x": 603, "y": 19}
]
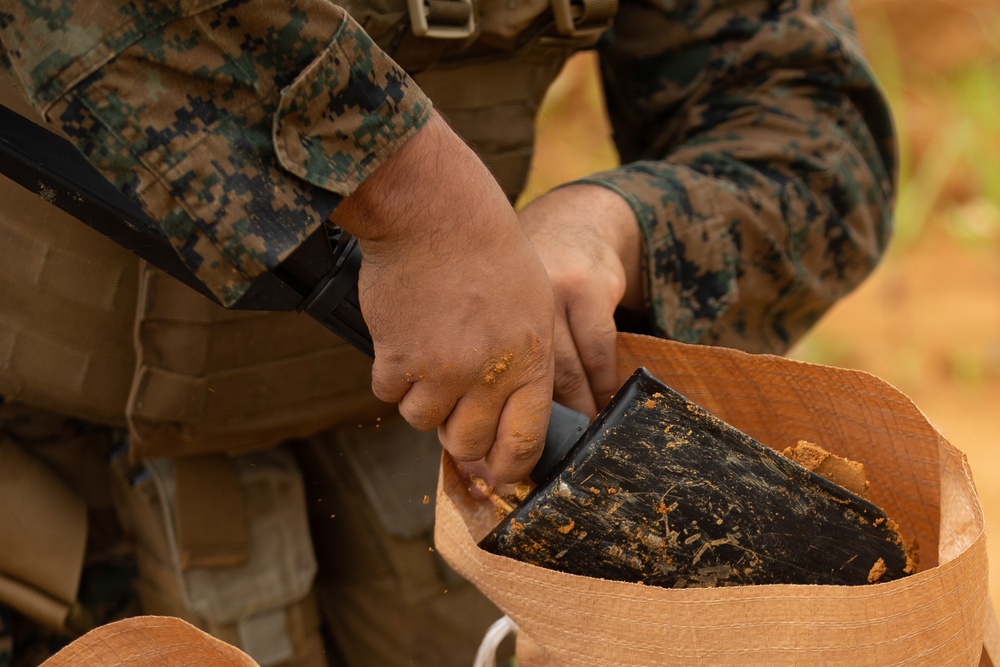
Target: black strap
[
  {"x": 320, "y": 277},
  {"x": 326, "y": 264},
  {"x": 49, "y": 166}
]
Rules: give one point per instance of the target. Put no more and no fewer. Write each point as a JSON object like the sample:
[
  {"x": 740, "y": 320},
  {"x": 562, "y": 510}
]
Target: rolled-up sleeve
[
  {"x": 239, "y": 126},
  {"x": 758, "y": 157}
]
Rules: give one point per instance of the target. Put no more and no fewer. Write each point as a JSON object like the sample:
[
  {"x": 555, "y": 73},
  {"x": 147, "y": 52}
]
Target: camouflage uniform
[{"x": 757, "y": 151}]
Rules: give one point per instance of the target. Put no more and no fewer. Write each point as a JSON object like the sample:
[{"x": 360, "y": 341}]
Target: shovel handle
[{"x": 335, "y": 303}]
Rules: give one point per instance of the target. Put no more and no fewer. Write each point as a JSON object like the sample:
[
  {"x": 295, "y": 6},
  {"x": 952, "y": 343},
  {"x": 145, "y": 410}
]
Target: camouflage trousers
[{"x": 382, "y": 594}]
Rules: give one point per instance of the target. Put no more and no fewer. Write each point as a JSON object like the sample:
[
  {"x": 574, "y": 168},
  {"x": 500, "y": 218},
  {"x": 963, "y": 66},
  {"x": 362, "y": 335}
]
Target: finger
[
  {"x": 390, "y": 384},
  {"x": 595, "y": 338},
  {"x": 426, "y": 407},
  {"x": 520, "y": 434},
  {"x": 470, "y": 430},
  {"x": 571, "y": 385},
  {"x": 471, "y": 470}
]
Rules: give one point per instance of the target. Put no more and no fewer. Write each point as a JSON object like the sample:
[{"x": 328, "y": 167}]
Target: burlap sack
[{"x": 939, "y": 616}]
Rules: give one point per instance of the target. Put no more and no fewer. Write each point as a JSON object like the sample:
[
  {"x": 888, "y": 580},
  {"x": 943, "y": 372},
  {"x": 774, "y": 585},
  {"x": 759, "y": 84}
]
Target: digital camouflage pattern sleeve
[
  {"x": 238, "y": 125},
  {"x": 758, "y": 157}
]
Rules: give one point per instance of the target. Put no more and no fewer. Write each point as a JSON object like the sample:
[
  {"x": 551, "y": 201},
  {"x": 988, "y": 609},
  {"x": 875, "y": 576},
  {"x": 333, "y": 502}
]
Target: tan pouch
[
  {"x": 67, "y": 303},
  {"x": 386, "y": 597},
  {"x": 43, "y": 535},
  {"x": 215, "y": 380},
  {"x": 262, "y": 601},
  {"x": 940, "y": 615}
]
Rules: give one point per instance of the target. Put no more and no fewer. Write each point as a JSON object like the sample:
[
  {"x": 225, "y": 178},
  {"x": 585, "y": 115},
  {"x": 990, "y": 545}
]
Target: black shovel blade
[{"x": 662, "y": 492}]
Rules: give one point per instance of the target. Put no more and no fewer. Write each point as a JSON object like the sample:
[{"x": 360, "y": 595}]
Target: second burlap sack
[{"x": 939, "y": 616}]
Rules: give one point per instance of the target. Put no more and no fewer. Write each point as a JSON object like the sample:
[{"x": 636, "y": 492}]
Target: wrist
[{"x": 385, "y": 210}]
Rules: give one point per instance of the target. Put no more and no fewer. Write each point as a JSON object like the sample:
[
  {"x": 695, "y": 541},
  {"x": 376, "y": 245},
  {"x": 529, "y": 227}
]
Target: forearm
[{"x": 762, "y": 184}]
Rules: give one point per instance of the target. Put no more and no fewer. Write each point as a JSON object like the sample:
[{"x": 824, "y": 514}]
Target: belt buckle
[
  {"x": 583, "y": 18},
  {"x": 423, "y": 24}
]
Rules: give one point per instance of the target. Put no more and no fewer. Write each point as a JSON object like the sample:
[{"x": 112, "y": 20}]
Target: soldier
[{"x": 755, "y": 190}]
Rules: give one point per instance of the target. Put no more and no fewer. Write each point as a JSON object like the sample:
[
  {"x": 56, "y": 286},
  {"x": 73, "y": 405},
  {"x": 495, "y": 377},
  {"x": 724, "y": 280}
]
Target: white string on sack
[{"x": 486, "y": 656}]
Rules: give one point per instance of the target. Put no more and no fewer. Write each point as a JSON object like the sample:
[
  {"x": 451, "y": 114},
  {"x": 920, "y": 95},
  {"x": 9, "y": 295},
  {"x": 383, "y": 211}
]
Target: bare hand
[
  {"x": 589, "y": 240},
  {"x": 457, "y": 301}
]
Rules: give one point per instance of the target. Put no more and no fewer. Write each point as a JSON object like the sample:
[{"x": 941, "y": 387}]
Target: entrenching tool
[
  {"x": 656, "y": 490},
  {"x": 662, "y": 492}
]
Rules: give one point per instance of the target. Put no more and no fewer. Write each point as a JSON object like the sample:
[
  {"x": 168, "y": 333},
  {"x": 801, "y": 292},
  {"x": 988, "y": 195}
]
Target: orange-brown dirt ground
[{"x": 928, "y": 319}]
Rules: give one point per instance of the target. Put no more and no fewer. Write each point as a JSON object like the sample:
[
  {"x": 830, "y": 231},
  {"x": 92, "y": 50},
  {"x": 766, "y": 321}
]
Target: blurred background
[{"x": 928, "y": 320}]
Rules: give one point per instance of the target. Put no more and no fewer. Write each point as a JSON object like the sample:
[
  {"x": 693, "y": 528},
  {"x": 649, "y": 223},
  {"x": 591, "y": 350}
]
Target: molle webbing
[
  {"x": 67, "y": 305},
  {"x": 67, "y": 299},
  {"x": 210, "y": 510},
  {"x": 490, "y": 85},
  {"x": 214, "y": 380}
]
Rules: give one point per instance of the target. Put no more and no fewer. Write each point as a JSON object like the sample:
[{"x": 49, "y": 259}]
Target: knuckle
[
  {"x": 462, "y": 442},
  {"x": 421, "y": 415},
  {"x": 600, "y": 358},
  {"x": 464, "y": 450},
  {"x": 524, "y": 449},
  {"x": 417, "y": 422},
  {"x": 605, "y": 327},
  {"x": 570, "y": 380},
  {"x": 571, "y": 284},
  {"x": 383, "y": 391}
]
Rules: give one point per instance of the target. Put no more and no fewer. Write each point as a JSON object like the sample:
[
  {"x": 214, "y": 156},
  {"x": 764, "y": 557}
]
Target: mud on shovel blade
[{"x": 662, "y": 492}]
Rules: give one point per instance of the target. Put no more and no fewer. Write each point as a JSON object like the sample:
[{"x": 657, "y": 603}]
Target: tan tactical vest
[{"x": 88, "y": 330}]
